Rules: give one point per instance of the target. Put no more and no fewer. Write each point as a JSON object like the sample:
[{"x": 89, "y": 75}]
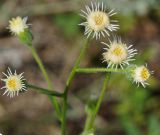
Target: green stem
[
  {"x": 41, "y": 66},
  {"x": 50, "y": 85},
  {"x": 87, "y": 123},
  {"x": 68, "y": 83},
  {"x": 103, "y": 91},
  {"x": 91, "y": 118},
  {"x": 45, "y": 91},
  {"x": 97, "y": 70}
]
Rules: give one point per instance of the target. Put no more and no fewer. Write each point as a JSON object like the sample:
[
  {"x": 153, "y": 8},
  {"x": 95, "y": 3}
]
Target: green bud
[{"x": 26, "y": 37}]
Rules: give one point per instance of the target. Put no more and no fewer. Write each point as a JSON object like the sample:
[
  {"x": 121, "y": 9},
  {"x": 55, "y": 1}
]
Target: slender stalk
[
  {"x": 97, "y": 70},
  {"x": 91, "y": 118},
  {"x": 44, "y": 72},
  {"x": 68, "y": 83},
  {"x": 87, "y": 123},
  {"x": 64, "y": 111},
  {"x": 45, "y": 91},
  {"x": 41, "y": 66},
  {"x": 107, "y": 77}
]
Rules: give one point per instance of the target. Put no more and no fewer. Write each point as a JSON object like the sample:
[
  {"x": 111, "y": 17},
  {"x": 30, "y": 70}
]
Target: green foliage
[
  {"x": 154, "y": 125},
  {"x": 130, "y": 127},
  {"x": 126, "y": 22},
  {"x": 132, "y": 105},
  {"x": 68, "y": 23},
  {"x": 147, "y": 55}
]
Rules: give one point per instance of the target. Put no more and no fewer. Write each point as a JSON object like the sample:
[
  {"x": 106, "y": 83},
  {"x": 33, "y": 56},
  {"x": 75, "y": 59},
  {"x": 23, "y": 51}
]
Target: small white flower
[
  {"x": 18, "y": 25},
  {"x": 98, "y": 21},
  {"x": 140, "y": 75},
  {"x": 14, "y": 83},
  {"x": 118, "y": 54}
]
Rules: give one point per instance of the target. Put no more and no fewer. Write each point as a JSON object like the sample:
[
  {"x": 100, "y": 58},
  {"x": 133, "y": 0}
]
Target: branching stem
[
  {"x": 46, "y": 76},
  {"x": 92, "y": 116},
  {"x": 68, "y": 83}
]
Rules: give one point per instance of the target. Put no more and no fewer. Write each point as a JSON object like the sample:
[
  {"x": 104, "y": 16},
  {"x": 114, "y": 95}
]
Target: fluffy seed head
[
  {"x": 18, "y": 25},
  {"x": 141, "y": 74},
  {"x": 98, "y": 22},
  {"x": 118, "y": 54},
  {"x": 14, "y": 83}
]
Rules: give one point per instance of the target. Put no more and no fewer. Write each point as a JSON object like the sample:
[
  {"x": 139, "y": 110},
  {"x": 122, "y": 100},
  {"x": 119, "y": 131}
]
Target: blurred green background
[{"x": 126, "y": 110}]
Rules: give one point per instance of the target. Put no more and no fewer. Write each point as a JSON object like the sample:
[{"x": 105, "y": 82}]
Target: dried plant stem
[
  {"x": 68, "y": 83},
  {"x": 45, "y": 74},
  {"x": 91, "y": 117}
]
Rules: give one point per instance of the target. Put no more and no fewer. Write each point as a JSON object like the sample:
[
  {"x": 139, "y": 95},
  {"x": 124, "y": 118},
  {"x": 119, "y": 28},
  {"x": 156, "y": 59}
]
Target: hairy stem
[
  {"x": 68, "y": 83},
  {"x": 97, "y": 70},
  {"x": 45, "y": 74},
  {"x": 91, "y": 117},
  {"x": 45, "y": 91}
]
